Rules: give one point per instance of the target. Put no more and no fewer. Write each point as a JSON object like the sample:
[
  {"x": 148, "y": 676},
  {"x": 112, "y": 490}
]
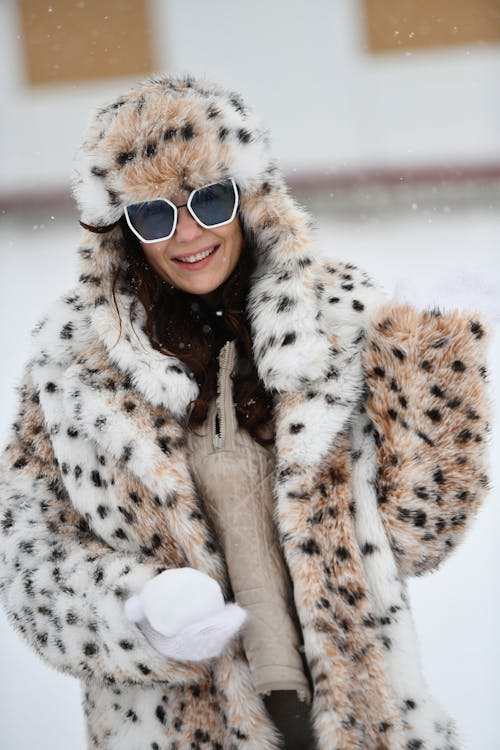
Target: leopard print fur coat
[{"x": 381, "y": 416}]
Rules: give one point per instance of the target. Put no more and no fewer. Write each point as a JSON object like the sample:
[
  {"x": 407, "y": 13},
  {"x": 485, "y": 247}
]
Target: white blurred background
[{"x": 385, "y": 115}]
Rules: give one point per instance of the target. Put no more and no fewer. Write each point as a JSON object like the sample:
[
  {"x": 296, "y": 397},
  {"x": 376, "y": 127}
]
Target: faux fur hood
[{"x": 171, "y": 134}]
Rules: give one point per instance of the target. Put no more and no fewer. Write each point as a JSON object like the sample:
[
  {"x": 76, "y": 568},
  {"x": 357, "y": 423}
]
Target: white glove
[
  {"x": 477, "y": 290},
  {"x": 182, "y": 614}
]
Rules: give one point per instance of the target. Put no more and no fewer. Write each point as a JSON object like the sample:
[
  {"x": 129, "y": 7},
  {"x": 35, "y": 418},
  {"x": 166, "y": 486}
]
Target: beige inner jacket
[{"x": 234, "y": 475}]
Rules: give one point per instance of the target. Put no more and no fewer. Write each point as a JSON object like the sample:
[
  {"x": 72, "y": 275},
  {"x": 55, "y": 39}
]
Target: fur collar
[{"x": 112, "y": 378}]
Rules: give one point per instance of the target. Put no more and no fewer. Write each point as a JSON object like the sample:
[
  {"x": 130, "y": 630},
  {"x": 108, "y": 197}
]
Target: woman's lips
[{"x": 199, "y": 263}]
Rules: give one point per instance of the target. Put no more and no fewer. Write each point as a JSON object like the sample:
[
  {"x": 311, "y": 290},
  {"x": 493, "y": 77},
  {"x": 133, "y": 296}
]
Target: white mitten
[
  {"x": 470, "y": 289},
  {"x": 182, "y": 614}
]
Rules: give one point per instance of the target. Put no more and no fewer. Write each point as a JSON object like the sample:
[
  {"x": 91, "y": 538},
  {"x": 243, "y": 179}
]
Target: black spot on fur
[
  {"x": 212, "y": 112},
  {"x": 155, "y": 541},
  {"x": 87, "y": 278},
  {"x": 169, "y": 134},
  {"x": 342, "y": 553},
  {"x": 96, "y": 478},
  {"x": 124, "y": 157},
  {"x": 434, "y": 415},
  {"x": 351, "y": 597},
  {"x": 310, "y": 547},
  {"x": 99, "y": 172},
  {"x": 421, "y": 492},
  {"x": 202, "y": 736},
  {"x": 161, "y": 714},
  {"x": 113, "y": 197},
  {"x": 237, "y": 103},
  {"x": 458, "y": 366},
  {"x": 164, "y": 444},
  {"x": 398, "y": 353},
  {"x": 66, "y": 331},
  {"x": 439, "y": 343},
  {"x": 187, "y": 131},
  {"x": 126, "y": 645},
  {"x": 126, "y": 454},
  {"x": 437, "y": 391},
  {"x": 424, "y": 437},
  {"x": 244, "y": 136},
  {"x": 285, "y": 304},
  {"x": 419, "y": 518},
  {"x": 477, "y": 329},
  {"x": 127, "y": 514},
  {"x": 438, "y": 476},
  {"x": 98, "y": 575},
  {"x": 289, "y": 338}
]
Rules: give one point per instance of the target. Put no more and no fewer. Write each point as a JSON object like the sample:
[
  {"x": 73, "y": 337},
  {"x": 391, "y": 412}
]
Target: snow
[{"x": 455, "y": 610}]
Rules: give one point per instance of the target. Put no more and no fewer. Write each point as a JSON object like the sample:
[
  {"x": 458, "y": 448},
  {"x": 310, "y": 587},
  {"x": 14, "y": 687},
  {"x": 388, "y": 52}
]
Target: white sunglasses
[{"x": 210, "y": 206}]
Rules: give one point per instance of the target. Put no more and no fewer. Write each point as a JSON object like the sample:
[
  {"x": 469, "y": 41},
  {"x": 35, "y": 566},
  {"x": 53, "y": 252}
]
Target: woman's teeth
[{"x": 197, "y": 257}]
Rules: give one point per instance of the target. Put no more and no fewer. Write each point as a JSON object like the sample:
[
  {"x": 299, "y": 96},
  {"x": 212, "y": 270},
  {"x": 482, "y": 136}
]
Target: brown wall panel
[
  {"x": 406, "y": 24},
  {"x": 72, "y": 40}
]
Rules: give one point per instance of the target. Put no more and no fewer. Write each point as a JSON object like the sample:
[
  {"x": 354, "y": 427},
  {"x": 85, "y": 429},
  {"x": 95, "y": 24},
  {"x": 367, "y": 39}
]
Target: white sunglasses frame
[{"x": 188, "y": 206}]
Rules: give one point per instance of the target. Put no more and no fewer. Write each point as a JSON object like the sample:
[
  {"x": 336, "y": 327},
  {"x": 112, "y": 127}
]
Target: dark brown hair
[{"x": 183, "y": 325}]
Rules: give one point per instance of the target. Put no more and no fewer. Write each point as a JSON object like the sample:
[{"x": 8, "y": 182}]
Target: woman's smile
[{"x": 195, "y": 259}]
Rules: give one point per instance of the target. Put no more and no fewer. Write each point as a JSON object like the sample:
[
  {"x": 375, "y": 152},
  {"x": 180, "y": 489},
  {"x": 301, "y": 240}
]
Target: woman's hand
[
  {"x": 182, "y": 614},
  {"x": 472, "y": 289}
]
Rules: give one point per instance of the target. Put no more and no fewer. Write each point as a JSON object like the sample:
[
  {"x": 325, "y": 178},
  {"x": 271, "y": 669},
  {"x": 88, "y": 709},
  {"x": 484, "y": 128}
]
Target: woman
[{"x": 231, "y": 453}]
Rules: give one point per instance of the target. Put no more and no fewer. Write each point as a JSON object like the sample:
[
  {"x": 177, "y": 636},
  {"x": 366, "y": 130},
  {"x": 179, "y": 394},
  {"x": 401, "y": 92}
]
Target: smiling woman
[
  {"x": 225, "y": 468},
  {"x": 213, "y": 246}
]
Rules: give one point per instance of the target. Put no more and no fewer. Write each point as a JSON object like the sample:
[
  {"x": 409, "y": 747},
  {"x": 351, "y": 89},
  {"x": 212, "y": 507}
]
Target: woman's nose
[{"x": 187, "y": 228}]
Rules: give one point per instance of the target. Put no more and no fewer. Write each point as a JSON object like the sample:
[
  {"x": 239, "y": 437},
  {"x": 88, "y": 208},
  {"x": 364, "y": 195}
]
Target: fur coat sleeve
[
  {"x": 61, "y": 585},
  {"x": 428, "y": 401}
]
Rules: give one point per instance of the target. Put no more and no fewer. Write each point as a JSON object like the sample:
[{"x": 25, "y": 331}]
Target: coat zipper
[{"x": 219, "y": 418}]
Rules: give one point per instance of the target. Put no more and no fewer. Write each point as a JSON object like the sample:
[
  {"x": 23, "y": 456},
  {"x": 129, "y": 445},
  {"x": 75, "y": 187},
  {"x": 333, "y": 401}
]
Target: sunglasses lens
[
  {"x": 214, "y": 204},
  {"x": 152, "y": 220}
]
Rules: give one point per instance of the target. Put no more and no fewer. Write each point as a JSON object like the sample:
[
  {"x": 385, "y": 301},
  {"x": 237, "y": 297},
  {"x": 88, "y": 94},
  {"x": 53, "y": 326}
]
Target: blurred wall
[{"x": 330, "y": 103}]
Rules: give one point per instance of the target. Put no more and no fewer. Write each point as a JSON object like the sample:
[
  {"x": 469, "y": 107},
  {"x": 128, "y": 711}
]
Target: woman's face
[{"x": 189, "y": 239}]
